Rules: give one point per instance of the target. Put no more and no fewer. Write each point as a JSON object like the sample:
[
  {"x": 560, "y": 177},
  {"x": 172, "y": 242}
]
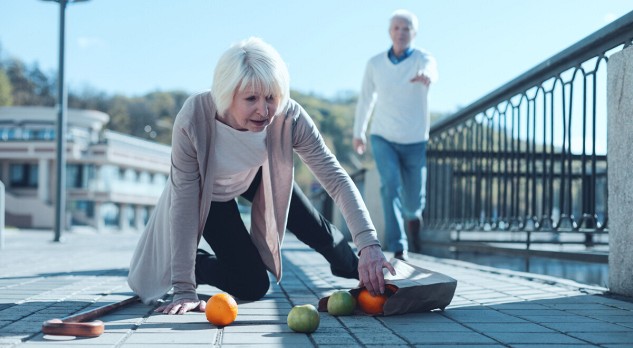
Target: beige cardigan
[{"x": 165, "y": 254}]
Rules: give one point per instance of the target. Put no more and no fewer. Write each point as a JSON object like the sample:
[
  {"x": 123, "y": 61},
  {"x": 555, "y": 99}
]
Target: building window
[
  {"x": 23, "y": 175},
  {"x": 75, "y": 176}
]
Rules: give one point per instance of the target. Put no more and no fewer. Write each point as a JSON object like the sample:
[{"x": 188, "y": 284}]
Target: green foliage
[
  {"x": 30, "y": 86},
  {"x": 6, "y": 90},
  {"x": 151, "y": 116}
]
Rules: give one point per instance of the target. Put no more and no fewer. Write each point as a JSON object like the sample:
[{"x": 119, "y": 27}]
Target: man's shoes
[
  {"x": 413, "y": 229},
  {"x": 401, "y": 255}
]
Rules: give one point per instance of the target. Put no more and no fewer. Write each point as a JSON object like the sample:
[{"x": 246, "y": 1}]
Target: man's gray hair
[
  {"x": 407, "y": 16},
  {"x": 251, "y": 63}
]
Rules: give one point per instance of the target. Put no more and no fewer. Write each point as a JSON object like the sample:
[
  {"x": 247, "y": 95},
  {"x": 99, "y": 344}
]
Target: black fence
[{"x": 531, "y": 156}]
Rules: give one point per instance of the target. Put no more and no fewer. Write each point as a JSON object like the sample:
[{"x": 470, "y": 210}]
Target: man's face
[{"x": 401, "y": 33}]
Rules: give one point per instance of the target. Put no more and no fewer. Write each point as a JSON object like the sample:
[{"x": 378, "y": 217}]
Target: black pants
[{"x": 237, "y": 267}]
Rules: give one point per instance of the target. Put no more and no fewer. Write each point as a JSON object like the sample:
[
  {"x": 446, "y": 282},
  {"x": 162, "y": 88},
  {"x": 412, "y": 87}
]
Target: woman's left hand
[
  {"x": 370, "y": 266},
  {"x": 182, "y": 306}
]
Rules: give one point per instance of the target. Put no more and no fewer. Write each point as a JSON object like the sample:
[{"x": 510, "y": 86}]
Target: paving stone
[
  {"x": 505, "y": 327},
  {"x": 605, "y": 337},
  {"x": 441, "y": 338},
  {"x": 587, "y": 327},
  {"x": 330, "y": 339},
  {"x": 481, "y": 316},
  {"x": 255, "y": 339},
  {"x": 488, "y": 310},
  {"x": 429, "y": 327},
  {"x": 531, "y": 338}
]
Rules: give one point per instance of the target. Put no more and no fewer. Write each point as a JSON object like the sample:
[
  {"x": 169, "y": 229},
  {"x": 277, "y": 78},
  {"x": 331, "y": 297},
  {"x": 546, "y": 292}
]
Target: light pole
[{"x": 60, "y": 199}]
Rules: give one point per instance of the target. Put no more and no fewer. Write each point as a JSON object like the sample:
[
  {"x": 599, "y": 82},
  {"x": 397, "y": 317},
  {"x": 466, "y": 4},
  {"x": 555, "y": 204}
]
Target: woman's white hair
[
  {"x": 407, "y": 16},
  {"x": 251, "y": 63}
]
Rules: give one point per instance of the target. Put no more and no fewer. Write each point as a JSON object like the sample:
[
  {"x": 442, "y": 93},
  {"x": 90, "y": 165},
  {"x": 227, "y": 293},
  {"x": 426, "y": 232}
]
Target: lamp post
[{"x": 62, "y": 97}]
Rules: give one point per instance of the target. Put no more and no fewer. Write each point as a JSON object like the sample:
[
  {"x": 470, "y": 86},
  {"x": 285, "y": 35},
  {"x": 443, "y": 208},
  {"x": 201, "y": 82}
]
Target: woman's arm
[
  {"x": 184, "y": 212},
  {"x": 310, "y": 146}
]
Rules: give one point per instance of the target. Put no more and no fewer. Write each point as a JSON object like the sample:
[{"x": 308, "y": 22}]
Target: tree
[{"x": 6, "y": 90}]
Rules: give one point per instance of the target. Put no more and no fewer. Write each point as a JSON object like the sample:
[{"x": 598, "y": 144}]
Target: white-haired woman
[{"x": 237, "y": 140}]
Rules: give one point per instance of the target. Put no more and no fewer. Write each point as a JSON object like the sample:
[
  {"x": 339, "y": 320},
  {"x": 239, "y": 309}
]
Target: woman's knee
[{"x": 252, "y": 291}]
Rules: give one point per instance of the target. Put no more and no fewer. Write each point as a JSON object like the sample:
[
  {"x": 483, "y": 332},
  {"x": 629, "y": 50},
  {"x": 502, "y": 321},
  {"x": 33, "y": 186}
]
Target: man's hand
[
  {"x": 421, "y": 78},
  {"x": 370, "y": 266},
  {"x": 359, "y": 146},
  {"x": 182, "y": 306}
]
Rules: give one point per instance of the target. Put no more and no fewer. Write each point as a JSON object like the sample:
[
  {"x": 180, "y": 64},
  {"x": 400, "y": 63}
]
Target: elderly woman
[{"x": 238, "y": 140}]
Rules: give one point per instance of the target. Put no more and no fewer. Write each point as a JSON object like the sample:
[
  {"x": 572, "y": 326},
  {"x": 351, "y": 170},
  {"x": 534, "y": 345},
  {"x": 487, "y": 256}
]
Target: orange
[
  {"x": 221, "y": 309},
  {"x": 371, "y": 304}
]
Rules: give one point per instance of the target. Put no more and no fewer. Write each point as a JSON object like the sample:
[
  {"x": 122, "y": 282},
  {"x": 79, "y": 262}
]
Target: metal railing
[{"x": 530, "y": 156}]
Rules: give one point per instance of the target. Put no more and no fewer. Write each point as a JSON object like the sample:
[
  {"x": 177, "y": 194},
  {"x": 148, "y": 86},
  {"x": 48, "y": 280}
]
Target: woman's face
[{"x": 250, "y": 110}]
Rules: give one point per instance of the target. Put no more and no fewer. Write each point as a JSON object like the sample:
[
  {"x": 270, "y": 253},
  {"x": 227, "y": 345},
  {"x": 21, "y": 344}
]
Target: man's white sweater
[{"x": 399, "y": 106}]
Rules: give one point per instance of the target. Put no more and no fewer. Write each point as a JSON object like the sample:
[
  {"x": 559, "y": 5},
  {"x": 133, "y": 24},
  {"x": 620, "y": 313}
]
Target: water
[{"x": 582, "y": 272}]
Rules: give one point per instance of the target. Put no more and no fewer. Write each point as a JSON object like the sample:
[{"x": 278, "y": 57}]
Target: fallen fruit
[
  {"x": 304, "y": 318},
  {"x": 371, "y": 304},
  {"x": 221, "y": 309},
  {"x": 341, "y": 303}
]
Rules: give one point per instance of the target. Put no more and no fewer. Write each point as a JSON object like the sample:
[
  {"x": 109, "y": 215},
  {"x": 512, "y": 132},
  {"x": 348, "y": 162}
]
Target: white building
[{"x": 113, "y": 180}]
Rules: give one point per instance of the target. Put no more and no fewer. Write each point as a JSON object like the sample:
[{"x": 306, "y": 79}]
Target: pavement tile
[
  {"x": 186, "y": 337},
  {"x": 467, "y": 345},
  {"x": 279, "y": 338},
  {"x": 551, "y": 346},
  {"x": 481, "y": 316},
  {"x": 489, "y": 309},
  {"x": 619, "y": 319},
  {"x": 541, "y": 318},
  {"x": 531, "y": 338},
  {"x": 429, "y": 327},
  {"x": 596, "y": 326},
  {"x": 331, "y": 339},
  {"x": 605, "y": 337},
  {"x": 109, "y": 339},
  {"x": 237, "y": 328},
  {"x": 508, "y": 327},
  {"x": 441, "y": 338},
  {"x": 381, "y": 339}
]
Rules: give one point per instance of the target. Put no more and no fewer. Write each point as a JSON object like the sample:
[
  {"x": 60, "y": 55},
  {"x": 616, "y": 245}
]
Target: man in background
[{"x": 394, "y": 95}]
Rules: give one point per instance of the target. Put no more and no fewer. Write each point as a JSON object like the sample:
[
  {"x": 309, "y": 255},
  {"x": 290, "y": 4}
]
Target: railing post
[{"x": 620, "y": 163}]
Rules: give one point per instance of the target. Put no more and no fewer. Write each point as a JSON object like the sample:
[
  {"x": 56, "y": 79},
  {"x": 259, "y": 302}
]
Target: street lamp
[{"x": 60, "y": 200}]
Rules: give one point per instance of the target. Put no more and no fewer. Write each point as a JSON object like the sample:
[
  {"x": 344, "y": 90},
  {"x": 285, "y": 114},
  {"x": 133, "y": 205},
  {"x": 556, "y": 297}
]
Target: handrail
[
  {"x": 530, "y": 155},
  {"x": 602, "y": 40}
]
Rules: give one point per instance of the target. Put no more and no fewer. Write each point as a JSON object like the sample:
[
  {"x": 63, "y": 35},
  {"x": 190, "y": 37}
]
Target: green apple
[
  {"x": 304, "y": 318},
  {"x": 341, "y": 303}
]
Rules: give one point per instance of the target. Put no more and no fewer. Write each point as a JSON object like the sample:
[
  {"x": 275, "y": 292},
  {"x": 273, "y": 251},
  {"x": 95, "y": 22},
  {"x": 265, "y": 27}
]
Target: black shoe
[{"x": 401, "y": 255}]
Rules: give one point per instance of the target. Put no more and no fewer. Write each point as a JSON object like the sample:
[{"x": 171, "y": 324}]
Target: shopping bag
[{"x": 413, "y": 289}]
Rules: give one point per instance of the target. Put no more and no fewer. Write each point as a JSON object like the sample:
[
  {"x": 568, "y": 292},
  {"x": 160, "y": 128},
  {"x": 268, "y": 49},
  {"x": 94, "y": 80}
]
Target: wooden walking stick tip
[{"x": 80, "y": 329}]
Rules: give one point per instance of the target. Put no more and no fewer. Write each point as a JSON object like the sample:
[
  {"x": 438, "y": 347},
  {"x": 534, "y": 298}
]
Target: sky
[{"x": 134, "y": 47}]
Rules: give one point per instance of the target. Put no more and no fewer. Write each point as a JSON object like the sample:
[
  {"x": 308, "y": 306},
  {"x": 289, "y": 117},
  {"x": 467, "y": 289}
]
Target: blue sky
[{"x": 138, "y": 46}]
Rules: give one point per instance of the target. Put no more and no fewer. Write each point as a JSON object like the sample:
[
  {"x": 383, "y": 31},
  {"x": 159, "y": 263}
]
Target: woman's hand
[
  {"x": 182, "y": 306},
  {"x": 370, "y": 266}
]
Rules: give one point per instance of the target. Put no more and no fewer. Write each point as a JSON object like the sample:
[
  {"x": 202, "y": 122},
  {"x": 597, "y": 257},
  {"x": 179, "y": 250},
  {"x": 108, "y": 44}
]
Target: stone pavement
[{"x": 40, "y": 280}]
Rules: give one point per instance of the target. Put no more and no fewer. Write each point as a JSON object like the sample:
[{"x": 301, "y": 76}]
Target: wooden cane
[{"x": 78, "y": 324}]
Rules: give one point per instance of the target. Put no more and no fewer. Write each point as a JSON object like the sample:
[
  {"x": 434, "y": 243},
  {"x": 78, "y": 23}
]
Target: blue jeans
[{"x": 402, "y": 169}]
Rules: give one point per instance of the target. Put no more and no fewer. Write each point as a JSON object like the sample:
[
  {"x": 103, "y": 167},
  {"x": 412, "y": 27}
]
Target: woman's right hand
[{"x": 182, "y": 306}]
